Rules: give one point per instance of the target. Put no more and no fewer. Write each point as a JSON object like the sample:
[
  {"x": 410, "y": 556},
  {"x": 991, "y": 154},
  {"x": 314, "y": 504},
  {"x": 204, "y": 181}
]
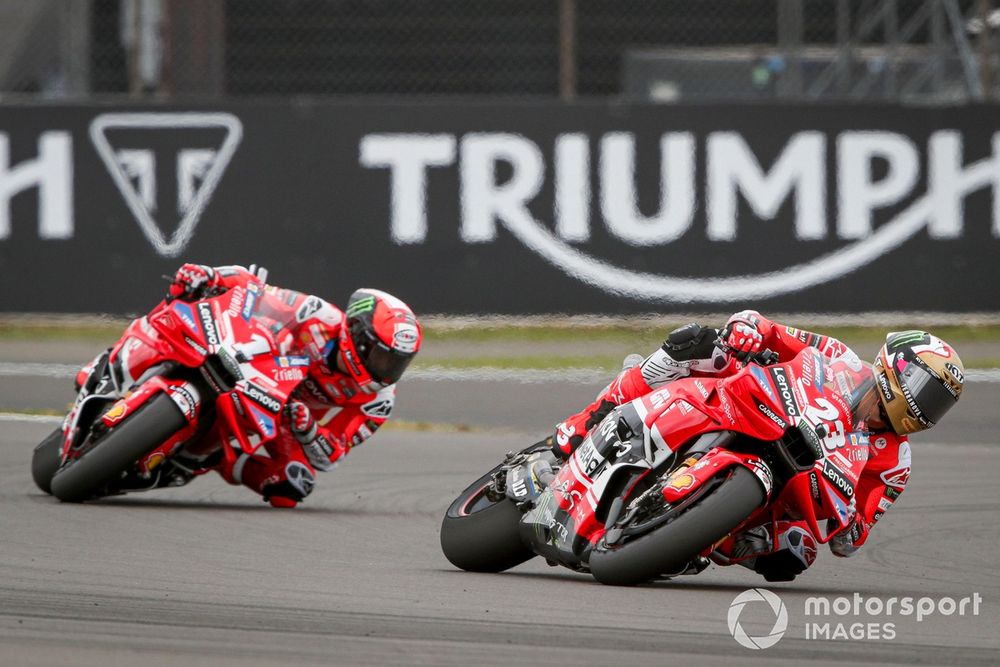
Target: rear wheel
[
  {"x": 671, "y": 546},
  {"x": 45, "y": 460},
  {"x": 480, "y": 533},
  {"x": 117, "y": 450}
]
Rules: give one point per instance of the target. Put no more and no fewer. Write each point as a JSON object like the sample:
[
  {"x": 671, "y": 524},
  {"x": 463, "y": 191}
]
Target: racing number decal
[{"x": 821, "y": 411}]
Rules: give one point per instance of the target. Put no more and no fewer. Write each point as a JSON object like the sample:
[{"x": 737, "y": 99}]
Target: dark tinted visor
[
  {"x": 386, "y": 365},
  {"x": 927, "y": 391}
]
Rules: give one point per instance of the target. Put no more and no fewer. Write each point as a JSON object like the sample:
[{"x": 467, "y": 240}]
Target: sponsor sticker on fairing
[
  {"x": 262, "y": 398},
  {"x": 769, "y": 413},
  {"x": 701, "y": 388},
  {"x": 194, "y": 345},
  {"x": 838, "y": 478},
  {"x": 289, "y": 374},
  {"x": 185, "y": 397},
  {"x": 785, "y": 392},
  {"x": 253, "y": 291},
  {"x": 264, "y": 422},
  {"x": 290, "y": 361},
  {"x": 763, "y": 473},
  {"x": 184, "y": 312},
  {"x": 208, "y": 323},
  {"x": 238, "y": 295},
  {"x": 814, "y": 485},
  {"x": 761, "y": 377}
]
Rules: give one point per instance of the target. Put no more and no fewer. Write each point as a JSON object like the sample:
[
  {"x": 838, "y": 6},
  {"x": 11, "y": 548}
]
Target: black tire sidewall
[
  {"x": 149, "y": 427},
  {"x": 488, "y": 540},
  {"x": 45, "y": 460},
  {"x": 672, "y": 546}
]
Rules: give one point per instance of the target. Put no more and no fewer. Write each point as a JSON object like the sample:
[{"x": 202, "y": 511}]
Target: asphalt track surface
[{"x": 207, "y": 574}]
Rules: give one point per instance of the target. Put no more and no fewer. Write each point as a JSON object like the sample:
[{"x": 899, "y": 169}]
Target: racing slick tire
[
  {"x": 45, "y": 460},
  {"x": 670, "y": 547},
  {"x": 482, "y": 535},
  {"x": 117, "y": 450}
]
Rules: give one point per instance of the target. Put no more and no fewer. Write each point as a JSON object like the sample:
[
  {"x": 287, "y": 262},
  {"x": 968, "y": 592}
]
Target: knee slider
[{"x": 298, "y": 483}]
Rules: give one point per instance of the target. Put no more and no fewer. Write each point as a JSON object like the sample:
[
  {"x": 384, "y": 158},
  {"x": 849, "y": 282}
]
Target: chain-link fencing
[{"x": 659, "y": 50}]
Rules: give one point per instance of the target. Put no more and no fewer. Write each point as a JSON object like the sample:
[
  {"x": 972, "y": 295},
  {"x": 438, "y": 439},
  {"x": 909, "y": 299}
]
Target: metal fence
[{"x": 659, "y": 50}]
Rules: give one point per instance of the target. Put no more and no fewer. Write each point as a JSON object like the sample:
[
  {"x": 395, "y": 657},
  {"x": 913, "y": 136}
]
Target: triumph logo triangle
[{"x": 129, "y": 145}]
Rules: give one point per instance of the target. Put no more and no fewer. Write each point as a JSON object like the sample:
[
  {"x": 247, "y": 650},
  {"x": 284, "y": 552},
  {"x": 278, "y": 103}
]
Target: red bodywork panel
[
  {"x": 809, "y": 393},
  {"x": 225, "y": 330}
]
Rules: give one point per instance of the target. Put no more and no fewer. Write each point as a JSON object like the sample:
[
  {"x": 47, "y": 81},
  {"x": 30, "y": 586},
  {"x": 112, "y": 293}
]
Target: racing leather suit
[
  {"x": 690, "y": 352},
  {"x": 344, "y": 414}
]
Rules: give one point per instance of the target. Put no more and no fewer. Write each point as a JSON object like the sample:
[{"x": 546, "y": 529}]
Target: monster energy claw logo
[
  {"x": 361, "y": 306},
  {"x": 903, "y": 338}
]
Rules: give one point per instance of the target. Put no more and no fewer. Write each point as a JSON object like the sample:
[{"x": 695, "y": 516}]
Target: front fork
[{"x": 524, "y": 476}]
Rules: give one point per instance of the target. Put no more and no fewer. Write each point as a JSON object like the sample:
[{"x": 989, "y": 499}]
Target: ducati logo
[{"x": 143, "y": 152}]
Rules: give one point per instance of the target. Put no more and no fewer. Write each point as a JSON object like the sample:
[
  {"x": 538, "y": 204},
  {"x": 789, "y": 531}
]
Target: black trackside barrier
[{"x": 504, "y": 207}]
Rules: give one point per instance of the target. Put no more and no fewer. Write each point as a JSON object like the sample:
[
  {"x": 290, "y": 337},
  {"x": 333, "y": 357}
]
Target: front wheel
[
  {"x": 45, "y": 460},
  {"x": 117, "y": 450},
  {"x": 670, "y": 547},
  {"x": 480, "y": 534}
]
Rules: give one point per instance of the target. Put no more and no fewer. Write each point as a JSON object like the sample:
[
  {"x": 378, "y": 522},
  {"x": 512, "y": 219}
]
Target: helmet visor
[
  {"x": 385, "y": 365},
  {"x": 930, "y": 398}
]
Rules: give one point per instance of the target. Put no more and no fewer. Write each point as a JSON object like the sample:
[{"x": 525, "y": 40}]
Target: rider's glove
[
  {"x": 744, "y": 333},
  {"x": 191, "y": 280},
  {"x": 316, "y": 448}
]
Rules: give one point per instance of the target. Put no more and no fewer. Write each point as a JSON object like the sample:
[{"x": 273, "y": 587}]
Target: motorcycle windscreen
[{"x": 854, "y": 381}]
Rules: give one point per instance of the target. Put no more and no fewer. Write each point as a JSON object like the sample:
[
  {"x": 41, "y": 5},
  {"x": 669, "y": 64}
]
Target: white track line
[
  {"x": 440, "y": 373},
  {"x": 517, "y": 375},
  {"x": 19, "y": 417},
  {"x": 31, "y": 369}
]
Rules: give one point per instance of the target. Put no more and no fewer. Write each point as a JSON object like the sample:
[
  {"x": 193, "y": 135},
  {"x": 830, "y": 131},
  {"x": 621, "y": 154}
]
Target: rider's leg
[
  {"x": 779, "y": 551},
  {"x": 284, "y": 479}
]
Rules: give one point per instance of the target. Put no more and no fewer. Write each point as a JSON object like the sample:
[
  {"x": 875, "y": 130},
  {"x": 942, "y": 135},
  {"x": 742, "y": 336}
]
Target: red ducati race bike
[
  {"x": 185, "y": 386},
  {"x": 664, "y": 479}
]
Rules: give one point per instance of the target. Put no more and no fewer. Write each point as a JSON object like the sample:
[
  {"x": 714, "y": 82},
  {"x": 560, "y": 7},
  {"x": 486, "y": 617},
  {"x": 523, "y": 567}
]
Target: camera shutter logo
[{"x": 774, "y": 603}]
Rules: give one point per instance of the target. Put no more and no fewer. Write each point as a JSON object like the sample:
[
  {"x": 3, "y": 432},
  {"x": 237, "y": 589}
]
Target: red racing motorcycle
[
  {"x": 186, "y": 386},
  {"x": 664, "y": 479}
]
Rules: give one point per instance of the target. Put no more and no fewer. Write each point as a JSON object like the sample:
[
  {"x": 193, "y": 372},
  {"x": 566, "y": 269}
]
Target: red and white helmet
[{"x": 379, "y": 339}]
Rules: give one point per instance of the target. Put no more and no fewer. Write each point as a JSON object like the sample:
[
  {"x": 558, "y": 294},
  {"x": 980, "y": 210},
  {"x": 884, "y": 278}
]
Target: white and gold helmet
[{"x": 919, "y": 378}]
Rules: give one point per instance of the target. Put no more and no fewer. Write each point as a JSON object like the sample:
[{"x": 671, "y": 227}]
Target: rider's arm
[
  {"x": 788, "y": 341},
  {"x": 882, "y": 481},
  {"x": 191, "y": 280},
  {"x": 687, "y": 349},
  {"x": 229, "y": 277},
  {"x": 356, "y": 423}
]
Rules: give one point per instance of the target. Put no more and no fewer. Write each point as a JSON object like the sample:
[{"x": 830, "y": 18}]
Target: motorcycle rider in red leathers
[
  {"x": 356, "y": 356},
  {"x": 918, "y": 376}
]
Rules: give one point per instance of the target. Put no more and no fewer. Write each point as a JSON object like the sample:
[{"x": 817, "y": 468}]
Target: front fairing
[
  {"x": 832, "y": 398},
  {"x": 233, "y": 337},
  {"x": 568, "y": 517}
]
